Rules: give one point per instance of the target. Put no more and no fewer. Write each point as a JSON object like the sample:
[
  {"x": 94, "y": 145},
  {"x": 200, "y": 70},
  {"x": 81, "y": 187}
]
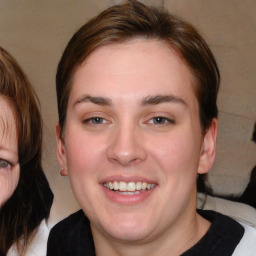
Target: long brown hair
[{"x": 32, "y": 199}]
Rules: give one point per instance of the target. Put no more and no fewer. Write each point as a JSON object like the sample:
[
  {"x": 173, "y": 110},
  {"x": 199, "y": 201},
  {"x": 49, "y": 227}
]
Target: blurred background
[{"x": 36, "y": 32}]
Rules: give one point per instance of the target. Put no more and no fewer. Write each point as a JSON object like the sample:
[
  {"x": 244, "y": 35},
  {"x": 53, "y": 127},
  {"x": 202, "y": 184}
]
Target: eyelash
[
  {"x": 5, "y": 163},
  {"x": 158, "y": 120},
  {"x": 100, "y": 120}
]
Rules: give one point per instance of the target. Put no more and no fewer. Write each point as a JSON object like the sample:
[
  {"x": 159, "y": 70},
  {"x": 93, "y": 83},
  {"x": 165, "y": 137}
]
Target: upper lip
[{"x": 127, "y": 179}]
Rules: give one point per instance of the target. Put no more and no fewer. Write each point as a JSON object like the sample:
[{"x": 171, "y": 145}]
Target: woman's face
[
  {"x": 9, "y": 165},
  {"x": 132, "y": 142}
]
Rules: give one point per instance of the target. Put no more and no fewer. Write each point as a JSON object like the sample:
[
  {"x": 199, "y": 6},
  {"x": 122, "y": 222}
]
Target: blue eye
[
  {"x": 95, "y": 120},
  {"x": 161, "y": 120},
  {"x": 4, "y": 164}
]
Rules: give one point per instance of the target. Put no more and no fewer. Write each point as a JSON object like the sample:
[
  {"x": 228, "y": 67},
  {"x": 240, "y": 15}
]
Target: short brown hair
[
  {"x": 32, "y": 199},
  {"x": 131, "y": 20}
]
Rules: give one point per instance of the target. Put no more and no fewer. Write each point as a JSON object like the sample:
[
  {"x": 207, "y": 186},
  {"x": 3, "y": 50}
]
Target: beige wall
[
  {"x": 36, "y": 32},
  {"x": 229, "y": 27}
]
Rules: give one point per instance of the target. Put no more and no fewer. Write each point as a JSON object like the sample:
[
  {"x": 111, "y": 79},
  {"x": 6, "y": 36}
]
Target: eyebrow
[
  {"x": 149, "y": 100},
  {"x": 3, "y": 148},
  {"x": 96, "y": 100},
  {"x": 154, "y": 100}
]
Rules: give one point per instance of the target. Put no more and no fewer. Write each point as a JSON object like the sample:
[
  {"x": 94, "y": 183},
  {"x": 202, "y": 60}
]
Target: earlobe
[
  {"x": 61, "y": 152},
  {"x": 208, "y": 150},
  {"x": 63, "y": 172}
]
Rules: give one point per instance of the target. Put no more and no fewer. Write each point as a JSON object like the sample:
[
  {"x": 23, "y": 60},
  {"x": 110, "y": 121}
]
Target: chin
[
  {"x": 128, "y": 230},
  {"x": 130, "y": 236}
]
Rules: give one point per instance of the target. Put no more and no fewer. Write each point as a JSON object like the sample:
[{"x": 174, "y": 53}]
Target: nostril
[
  {"x": 125, "y": 159},
  {"x": 130, "y": 156}
]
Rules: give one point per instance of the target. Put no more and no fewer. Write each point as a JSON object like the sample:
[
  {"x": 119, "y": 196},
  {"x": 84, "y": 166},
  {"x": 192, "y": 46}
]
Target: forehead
[
  {"x": 7, "y": 121},
  {"x": 128, "y": 68}
]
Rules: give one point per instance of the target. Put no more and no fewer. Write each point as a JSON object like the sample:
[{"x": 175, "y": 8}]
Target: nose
[{"x": 127, "y": 146}]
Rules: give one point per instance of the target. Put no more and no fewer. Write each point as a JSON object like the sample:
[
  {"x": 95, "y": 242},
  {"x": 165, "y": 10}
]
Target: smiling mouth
[{"x": 128, "y": 188}]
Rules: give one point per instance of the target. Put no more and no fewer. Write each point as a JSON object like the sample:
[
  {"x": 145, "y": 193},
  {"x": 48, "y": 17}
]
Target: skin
[
  {"x": 128, "y": 86},
  {"x": 9, "y": 165}
]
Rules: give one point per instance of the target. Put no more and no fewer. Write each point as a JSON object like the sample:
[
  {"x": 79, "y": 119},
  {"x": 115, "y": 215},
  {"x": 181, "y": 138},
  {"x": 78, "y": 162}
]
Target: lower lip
[{"x": 127, "y": 199}]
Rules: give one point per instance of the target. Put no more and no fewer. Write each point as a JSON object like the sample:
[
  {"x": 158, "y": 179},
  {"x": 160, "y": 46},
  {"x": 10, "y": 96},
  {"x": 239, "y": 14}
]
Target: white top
[
  {"x": 38, "y": 245},
  {"x": 238, "y": 211},
  {"x": 247, "y": 245},
  {"x": 242, "y": 213}
]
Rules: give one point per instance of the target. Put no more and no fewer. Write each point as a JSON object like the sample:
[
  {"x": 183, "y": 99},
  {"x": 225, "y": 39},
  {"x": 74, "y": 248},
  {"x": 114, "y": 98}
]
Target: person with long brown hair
[
  {"x": 137, "y": 99},
  {"x": 25, "y": 195}
]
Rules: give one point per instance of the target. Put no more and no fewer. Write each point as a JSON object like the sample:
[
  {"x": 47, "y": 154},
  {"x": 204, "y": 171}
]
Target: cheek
[
  {"x": 178, "y": 161},
  {"x": 84, "y": 164},
  {"x": 177, "y": 153},
  {"x": 85, "y": 157},
  {"x": 8, "y": 183},
  {"x": 83, "y": 152}
]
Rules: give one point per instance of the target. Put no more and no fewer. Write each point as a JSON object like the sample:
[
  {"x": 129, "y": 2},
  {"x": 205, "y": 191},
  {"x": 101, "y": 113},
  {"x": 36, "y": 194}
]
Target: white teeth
[
  {"x": 131, "y": 186},
  {"x": 138, "y": 185},
  {"x": 128, "y": 187},
  {"x": 116, "y": 185},
  {"x": 122, "y": 186},
  {"x": 110, "y": 185},
  {"x": 144, "y": 185},
  {"x": 128, "y": 193}
]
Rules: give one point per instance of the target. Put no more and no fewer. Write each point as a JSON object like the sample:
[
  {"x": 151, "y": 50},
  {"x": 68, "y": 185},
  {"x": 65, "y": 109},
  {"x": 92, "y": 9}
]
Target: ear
[
  {"x": 208, "y": 149},
  {"x": 61, "y": 152}
]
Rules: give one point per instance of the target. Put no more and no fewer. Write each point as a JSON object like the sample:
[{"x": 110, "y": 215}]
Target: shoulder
[
  {"x": 247, "y": 245},
  {"x": 222, "y": 237},
  {"x": 235, "y": 234},
  {"x": 238, "y": 211},
  {"x": 72, "y": 225},
  {"x": 72, "y": 220},
  {"x": 221, "y": 222},
  {"x": 70, "y": 236}
]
